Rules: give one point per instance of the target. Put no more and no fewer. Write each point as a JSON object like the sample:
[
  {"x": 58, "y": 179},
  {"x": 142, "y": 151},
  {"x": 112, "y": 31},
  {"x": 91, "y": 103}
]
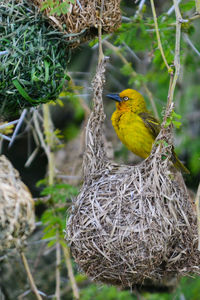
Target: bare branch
[
  {"x": 197, "y": 6},
  {"x": 179, "y": 21},
  {"x": 70, "y": 272},
  {"x": 30, "y": 277},
  {"x": 188, "y": 40},
  {"x": 140, "y": 6},
  {"x": 158, "y": 36},
  {"x": 58, "y": 261}
]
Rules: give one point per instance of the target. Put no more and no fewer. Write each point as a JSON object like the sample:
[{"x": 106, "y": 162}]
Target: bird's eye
[{"x": 125, "y": 98}]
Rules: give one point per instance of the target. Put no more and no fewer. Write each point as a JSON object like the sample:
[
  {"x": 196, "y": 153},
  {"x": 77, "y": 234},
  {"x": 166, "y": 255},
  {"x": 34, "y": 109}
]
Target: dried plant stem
[
  {"x": 50, "y": 142},
  {"x": 101, "y": 55},
  {"x": 133, "y": 74},
  {"x": 197, "y": 6},
  {"x": 197, "y": 203},
  {"x": 70, "y": 272},
  {"x": 158, "y": 36},
  {"x": 58, "y": 262},
  {"x": 177, "y": 53},
  {"x": 49, "y": 136},
  {"x": 30, "y": 277},
  {"x": 140, "y": 6}
]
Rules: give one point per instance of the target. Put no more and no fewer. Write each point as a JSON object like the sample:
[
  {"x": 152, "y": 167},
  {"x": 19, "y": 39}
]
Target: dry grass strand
[
  {"x": 17, "y": 220},
  {"x": 131, "y": 224},
  {"x": 80, "y": 24}
]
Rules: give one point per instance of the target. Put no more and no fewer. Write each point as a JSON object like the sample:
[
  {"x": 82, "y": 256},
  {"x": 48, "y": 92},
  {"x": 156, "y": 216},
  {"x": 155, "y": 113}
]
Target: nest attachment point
[
  {"x": 17, "y": 219},
  {"x": 80, "y": 24},
  {"x": 32, "y": 59},
  {"x": 131, "y": 224}
]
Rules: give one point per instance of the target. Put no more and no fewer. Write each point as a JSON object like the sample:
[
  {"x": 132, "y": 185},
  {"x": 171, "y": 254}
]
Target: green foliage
[
  {"x": 71, "y": 131},
  {"x": 140, "y": 36},
  {"x": 171, "y": 120},
  {"x": 73, "y": 99},
  {"x": 57, "y": 7},
  {"x": 105, "y": 292},
  {"x": 33, "y": 69},
  {"x": 74, "y": 104},
  {"x": 133, "y": 33},
  {"x": 54, "y": 217},
  {"x": 186, "y": 6}
]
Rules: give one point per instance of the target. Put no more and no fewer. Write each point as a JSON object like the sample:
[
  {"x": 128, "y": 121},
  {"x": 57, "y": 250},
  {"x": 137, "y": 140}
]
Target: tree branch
[
  {"x": 177, "y": 53},
  {"x": 30, "y": 277},
  {"x": 197, "y": 6},
  {"x": 158, "y": 36},
  {"x": 70, "y": 272},
  {"x": 58, "y": 261},
  {"x": 49, "y": 136}
]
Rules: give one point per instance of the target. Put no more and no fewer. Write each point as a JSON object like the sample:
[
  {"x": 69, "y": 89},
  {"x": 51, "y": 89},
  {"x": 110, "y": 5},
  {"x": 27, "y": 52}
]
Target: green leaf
[
  {"x": 22, "y": 91},
  {"x": 46, "y": 64},
  {"x": 177, "y": 124},
  {"x": 175, "y": 115}
]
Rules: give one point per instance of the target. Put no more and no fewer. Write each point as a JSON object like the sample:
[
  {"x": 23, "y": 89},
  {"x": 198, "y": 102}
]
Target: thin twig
[
  {"x": 140, "y": 6},
  {"x": 158, "y": 36},
  {"x": 101, "y": 55},
  {"x": 197, "y": 6},
  {"x": 4, "y": 125},
  {"x": 132, "y": 52},
  {"x": 70, "y": 272},
  {"x": 187, "y": 39},
  {"x": 39, "y": 132},
  {"x": 195, "y": 17},
  {"x": 177, "y": 52},
  {"x": 171, "y": 9},
  {"x": 197, "y": 203},
  {"x": 19, "y": 123},
  {"x": 133, "y": 74},
  {"x": 30, "y": 277},
  {"x": 48, "y": 130},
  {"x": 49, "y": 137},
  {"x": 58, "y": 262},
  {"x": 5, "y": 137}
]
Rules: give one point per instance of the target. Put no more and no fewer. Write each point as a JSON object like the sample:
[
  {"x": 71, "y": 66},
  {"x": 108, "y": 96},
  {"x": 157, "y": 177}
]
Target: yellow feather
[{"x": 135, "y": 126}]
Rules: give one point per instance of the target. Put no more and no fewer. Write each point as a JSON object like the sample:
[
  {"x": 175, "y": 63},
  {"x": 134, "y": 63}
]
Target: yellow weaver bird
[{"x": 135, "y": 126}]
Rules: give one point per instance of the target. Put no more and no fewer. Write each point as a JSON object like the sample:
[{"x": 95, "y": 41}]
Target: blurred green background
[{"x": 135, "y": 62}]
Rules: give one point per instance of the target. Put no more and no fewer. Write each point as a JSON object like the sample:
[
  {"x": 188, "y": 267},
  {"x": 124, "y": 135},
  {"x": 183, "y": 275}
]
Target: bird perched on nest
[{"x": 135, "y": 126}]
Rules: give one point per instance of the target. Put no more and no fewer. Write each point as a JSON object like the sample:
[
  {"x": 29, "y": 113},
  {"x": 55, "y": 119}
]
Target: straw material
[
  {"x": 81, "y": 22},
  {"x": 131, "y": 224},
  {"x": 17, "y": 219}
]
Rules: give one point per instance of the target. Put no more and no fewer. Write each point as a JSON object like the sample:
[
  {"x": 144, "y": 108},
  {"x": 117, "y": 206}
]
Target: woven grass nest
[
  {"x": 32, "y": 58},
  {"x": 81, "y": 22},
  {"x": 131, "y": 224},
  {"x": 17, "y": 219}
]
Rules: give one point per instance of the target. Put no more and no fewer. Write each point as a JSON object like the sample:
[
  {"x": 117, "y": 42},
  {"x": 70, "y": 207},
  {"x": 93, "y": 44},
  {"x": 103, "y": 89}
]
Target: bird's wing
[{"x": 151, "y": 123}]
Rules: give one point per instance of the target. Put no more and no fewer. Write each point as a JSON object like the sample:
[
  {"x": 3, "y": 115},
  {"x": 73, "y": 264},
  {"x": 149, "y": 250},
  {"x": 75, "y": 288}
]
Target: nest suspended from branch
[
  {"x": 17, "y": 219},
  {"x": 131, "y": 224},
  {"x": 32, "y": 59},
  {"x": 81, "y": 22}
]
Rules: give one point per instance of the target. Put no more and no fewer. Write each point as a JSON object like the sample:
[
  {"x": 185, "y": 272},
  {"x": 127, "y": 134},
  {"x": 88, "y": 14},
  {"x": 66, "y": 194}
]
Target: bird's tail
[{"x": 177, "y": 164}]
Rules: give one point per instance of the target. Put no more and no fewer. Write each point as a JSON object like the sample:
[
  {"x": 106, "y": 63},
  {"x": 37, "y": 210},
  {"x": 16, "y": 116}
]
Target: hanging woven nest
[
  {"x": 32, "y": 58},
  {"x": 81, "y": 22},
  {"x": 17, "y": 219},
  {"x": 131, "y": 224}
]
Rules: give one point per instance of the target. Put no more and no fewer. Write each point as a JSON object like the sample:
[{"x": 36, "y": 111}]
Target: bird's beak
[{"x": 115, "y": 97}]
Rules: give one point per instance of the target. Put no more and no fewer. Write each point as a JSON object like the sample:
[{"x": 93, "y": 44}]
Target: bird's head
[{"x": 129, "y": 100}]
